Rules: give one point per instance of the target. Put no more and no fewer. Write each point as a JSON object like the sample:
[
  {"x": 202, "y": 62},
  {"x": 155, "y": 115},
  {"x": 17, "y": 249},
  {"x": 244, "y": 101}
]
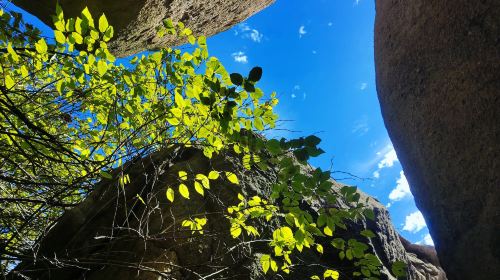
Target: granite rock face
[
  {"x": 135, "y": 21},
  {"x": 112, "y": 235},
  {"x": 438, "y": 83}
]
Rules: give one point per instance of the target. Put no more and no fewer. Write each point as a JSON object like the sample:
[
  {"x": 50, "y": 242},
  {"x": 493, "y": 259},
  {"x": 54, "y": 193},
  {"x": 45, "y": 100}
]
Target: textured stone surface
[
  {"x": 112, "y": 234},
  {"x": 135, "y": 21},
  {"x": 438, "y": 82}
]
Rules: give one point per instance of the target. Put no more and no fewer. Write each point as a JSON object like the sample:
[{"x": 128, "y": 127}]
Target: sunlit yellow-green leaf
[
  {"x": 60, "y": 38},
  {"x": 183, "y": 175},
  {"x": 265, "y": 262},
  {"x": 41, "y": 46},
  {"x": 140, "y": 199},
  {"x": 328, "y": 231},
  {"x": 170, "y": 194},
  {"x": 184, "y": 191},
  {"x": 199, "y": 188},
  {"x": 213, "y": 175},
  {"x": 331, "y": 274},
  {"x": 232, "y": 177},
  {"x": 235, "y": 231},
  {"x": 102, "y": 67},
  {"x": 103, "y": 23}
]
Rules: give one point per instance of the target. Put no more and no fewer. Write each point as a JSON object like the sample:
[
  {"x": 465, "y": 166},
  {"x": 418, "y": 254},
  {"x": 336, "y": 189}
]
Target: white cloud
[
  {"x": 302, "y": 31},
  {"x": 245, "y": 31},
  {"x": 388, "y": 155},
  {"x": 388, "y": 205},
  {"x": 414, "y": 222},
  {"x": 240, "y": 57},
  {"x": 296, "y": 87},
  {"x": 304, "y": 95},
  {"x": 314, "y": 52},
  {"x": 389, "y": 158},
  {"x": 402, "y": 189},
  {"x": 293, "y": 95},
  {"x": 427, "y": 240},
  {"x": 330, "y": 23},
  {"x": 356, "y": 2},
  {"x": 363, "y": 86}
]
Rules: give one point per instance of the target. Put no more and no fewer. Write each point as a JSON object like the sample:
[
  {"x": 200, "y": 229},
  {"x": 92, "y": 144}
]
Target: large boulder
[
  {"x": 115, "y": 235},
  {"x": 438, "y": 83},
  {"x": 135, "y": 21}
]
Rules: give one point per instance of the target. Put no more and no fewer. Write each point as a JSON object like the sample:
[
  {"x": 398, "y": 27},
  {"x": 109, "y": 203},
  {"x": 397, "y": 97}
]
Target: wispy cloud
[
  {"x": 356, "y": 2},
  {"x": 314, "y": 52},
  {"x": 245, "y": 31},
  {"x": 330, "y": 23},
  {"x": 402, "y": 188},
  {"x": 240, "y": 57},
  {"x": 302, "y": 31},
  {"x": 296, "y": 87},
  {"x": 361, "y": 126},
  {"x": 293, "y": 95},
  {"x": 414, "y": 222},
  {"x": 256, "y": 36},
  {"x": 363, "y": 86}
]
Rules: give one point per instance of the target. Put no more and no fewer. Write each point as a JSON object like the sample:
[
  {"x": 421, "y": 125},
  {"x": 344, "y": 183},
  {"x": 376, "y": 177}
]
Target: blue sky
[{"x": 318, "y": 56}]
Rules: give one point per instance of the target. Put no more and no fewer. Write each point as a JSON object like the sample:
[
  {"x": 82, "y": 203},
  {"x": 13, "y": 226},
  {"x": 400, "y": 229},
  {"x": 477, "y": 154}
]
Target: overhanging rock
[{"x": 135, "y": 21}]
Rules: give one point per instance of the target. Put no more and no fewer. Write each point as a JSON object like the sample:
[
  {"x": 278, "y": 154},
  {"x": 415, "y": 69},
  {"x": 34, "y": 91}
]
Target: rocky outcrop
[
  {"x": 438, "y": 82},
  {"x": 114, "y": 234},
  {"x": 135, "y": 21}
]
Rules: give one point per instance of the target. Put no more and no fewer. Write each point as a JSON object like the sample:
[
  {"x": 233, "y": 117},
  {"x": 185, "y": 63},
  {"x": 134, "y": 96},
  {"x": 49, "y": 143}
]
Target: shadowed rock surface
[
  {"x": 112, "y": 235},
  {"x": 438, "y": 82},
  {"x": 135, "y": 21}
]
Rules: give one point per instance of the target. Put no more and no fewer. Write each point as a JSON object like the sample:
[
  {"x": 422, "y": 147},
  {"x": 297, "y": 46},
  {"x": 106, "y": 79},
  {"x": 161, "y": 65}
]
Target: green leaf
[
  {"x": 328, "y": 231},
  {"x": 312, "y": 140},
  {"x": 184, "y": 191},
  {"x": 255, "y": 74},
  {"x": 106, "y": 175},
  {"x": 140, "y": 199},
  {"x": 213, "y": 175},
  {"x": 399, "y": 269},
  {"x": 103, "y": 23},
  {"x": 368, "y": 233},
  {"x": 249, "y": 87},
  {"x": 235, "y": 231},
  {"x": 60, "y": 38},
  {"x": 232, "y": 177},
  {"x": 369, "y": 214},
  {"x": 265, "y": 262},
  {"x": 338, "y": 243},
  {"x": 273, "y": 146},
  {"x": 170, "y": 194},
  {"x": 319, "y": 248},
  {"x": 331, "y": 274},
  {"x": 183, "y": 175},
  {"x": 236, "y": 79},
  {"x": 86, "y": 14},
  {"x": 199, "y": 188},
  {"x": 41, "y": 46},
  {"x": 102, "y": 67},
  {"x": 258, "y": 124},
  {"x": 59, "y": 11}
]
